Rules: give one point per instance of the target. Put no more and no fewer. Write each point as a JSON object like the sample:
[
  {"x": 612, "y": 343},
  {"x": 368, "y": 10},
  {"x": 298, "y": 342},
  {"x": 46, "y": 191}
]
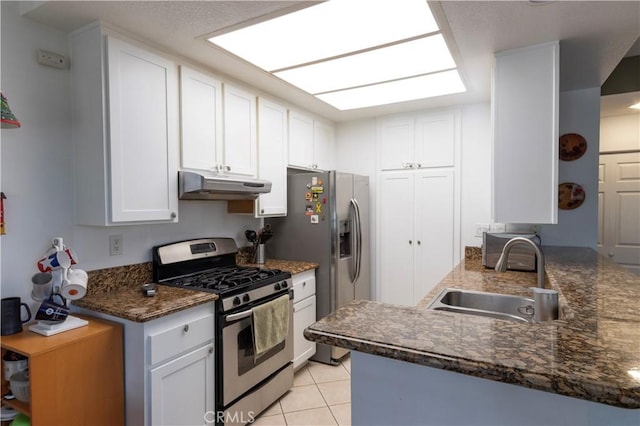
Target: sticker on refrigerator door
[
  {"x": 317, "y": 189},
  {"x": 308, "y": 210},
  {"x": 308, "y": 196},
  {"x": 318, "y": 208},
  {"x": 314, "y": 180},
  {"x": 314, "y": 218}
]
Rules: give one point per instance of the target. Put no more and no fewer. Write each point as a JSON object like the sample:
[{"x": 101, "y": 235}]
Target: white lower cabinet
[
  {"x": 169, "y": 367},
  {"x": 304, "y": 314},
  {"x": 177, "y": 386}
]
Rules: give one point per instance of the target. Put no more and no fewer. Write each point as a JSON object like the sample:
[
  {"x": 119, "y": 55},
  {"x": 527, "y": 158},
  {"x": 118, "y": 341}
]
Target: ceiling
[{"x": 594, "y": 36}]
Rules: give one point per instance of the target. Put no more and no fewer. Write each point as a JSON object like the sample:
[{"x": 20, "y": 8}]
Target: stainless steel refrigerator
[{"x": 328, "y": 223}]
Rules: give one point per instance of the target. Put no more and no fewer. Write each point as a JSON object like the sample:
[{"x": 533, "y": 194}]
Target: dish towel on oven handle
[{"x": 270, "y": 324}]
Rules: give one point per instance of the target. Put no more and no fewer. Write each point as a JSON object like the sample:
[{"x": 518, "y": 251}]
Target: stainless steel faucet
[{"x": 501, "y": 265}]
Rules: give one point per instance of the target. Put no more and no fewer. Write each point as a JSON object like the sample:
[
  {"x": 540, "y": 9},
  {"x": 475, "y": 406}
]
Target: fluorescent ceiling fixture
[
  {"x": 326, "y": 30},
  {"x": 346, "y": 51},
  {"x": 390, "y": 63},
  {"x": 635, "y": 106},
  {"x": 425, "y": 86}
]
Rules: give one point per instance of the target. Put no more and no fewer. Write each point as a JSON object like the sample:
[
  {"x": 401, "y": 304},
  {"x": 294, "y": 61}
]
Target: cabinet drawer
[
  {"x": 178, "y": 339},
  {"x": 304, "y": 285}
]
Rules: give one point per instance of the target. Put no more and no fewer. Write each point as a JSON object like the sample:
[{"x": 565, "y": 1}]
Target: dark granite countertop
[
  {"x": 589, "y": 353},
  {"x": 116, "y": 291},
  {"x": 291, "y": 266}
]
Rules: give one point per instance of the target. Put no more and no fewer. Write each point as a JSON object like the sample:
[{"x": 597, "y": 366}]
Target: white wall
[
  {"x": 620, "y": 133},
  {"x": 579, "y": 113},
  {"x": 37, "y": 175}
]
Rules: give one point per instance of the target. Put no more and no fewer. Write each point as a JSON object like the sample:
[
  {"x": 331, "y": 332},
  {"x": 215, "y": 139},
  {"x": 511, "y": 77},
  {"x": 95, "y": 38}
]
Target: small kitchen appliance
[
  {"x": 246, "y": 382},
  {"x": 521, "y": 258}
]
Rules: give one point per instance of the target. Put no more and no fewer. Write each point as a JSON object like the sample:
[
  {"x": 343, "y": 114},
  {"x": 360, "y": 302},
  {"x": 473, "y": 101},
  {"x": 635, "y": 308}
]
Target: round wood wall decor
[
  {"x": 570, "y": 196},
  {"x": 572, "y": 146}
]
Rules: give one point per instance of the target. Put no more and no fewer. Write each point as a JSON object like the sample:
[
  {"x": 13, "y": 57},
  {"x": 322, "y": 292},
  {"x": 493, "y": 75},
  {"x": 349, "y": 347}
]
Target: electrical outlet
[
  {"x": 115, "y": 245},
  {"x": 498, "y": 227},
  {"x": 479, "y": 228},
  {"x": 51, "y": 59}
]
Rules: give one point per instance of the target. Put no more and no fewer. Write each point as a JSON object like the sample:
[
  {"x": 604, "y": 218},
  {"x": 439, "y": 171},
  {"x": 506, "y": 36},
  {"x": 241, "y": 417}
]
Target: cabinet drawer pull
[
  {"x": 173, "y": 215},
  {"x": 185, "y": 328},
  {"x": 211, "y": 350}
]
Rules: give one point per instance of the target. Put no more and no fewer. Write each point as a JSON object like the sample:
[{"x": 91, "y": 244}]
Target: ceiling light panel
[
  {"x": 326, "y": 30},
  {"x": 421, "y": 56},
  {"x": 431, "y": 85}
]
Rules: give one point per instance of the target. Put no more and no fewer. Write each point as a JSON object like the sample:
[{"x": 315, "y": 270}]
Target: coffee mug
[
  {"x": 73, "y": 257},
  {"x": 55, "y": 260},
  {"x": 11, "y": 315},
  {"x": 74, "y": 287},
  {"x": 52, "y": 312},
  {"x": 42, "y": 286}
]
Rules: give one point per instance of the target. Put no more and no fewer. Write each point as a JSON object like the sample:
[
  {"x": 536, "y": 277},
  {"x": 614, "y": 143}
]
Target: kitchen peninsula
[{"x": 414, "y": 366}]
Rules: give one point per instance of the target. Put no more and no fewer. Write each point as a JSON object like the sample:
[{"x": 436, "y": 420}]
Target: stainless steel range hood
[{"x": 202, "y": 186}]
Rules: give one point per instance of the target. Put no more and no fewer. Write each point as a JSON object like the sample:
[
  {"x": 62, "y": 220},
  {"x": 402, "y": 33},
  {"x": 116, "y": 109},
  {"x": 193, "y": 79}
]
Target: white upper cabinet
[
  {"x": 324, "y": 150},
  {"x": 300, "y": 140},
  {"x": 396, "y": 143},
  {"x": 525, "y": 134},
  {"x": 240, "y": 141},
  {"x": 124, "y": 131},
  {"x": 311, "y": 142},
  {"x": 218, "y": 129},
  {"x": 201, "y": 120},
  {"x": 435, "y": 140},
  {"x": 423, "y": 141},
  {"x": 272, "y": 158}
]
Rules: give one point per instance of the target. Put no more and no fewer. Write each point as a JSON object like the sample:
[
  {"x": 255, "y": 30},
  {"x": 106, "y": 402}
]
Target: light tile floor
[{"x": 321, "y": 395}]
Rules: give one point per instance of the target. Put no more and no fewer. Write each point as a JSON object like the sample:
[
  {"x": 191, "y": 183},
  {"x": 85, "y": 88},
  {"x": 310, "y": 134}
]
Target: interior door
[{"x": 619, "y": 209}]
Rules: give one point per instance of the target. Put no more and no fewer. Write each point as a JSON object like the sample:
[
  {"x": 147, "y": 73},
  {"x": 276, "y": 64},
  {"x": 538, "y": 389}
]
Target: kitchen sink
[{"x": 493, "y": 305}]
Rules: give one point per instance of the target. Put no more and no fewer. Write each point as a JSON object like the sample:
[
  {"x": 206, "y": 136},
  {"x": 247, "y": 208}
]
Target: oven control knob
[
  {"x": 245, "y": 298},
  {"x": 284, "y": 284},
  {"x": 236, "y": 301},
  {"x": 277, "y": 286}
]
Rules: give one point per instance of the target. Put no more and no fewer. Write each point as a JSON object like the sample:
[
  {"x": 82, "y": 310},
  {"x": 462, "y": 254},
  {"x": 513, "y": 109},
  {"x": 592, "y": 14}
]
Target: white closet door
[
  {"x": 434, "y": 229},
  {"x": 397, "y": 237}
]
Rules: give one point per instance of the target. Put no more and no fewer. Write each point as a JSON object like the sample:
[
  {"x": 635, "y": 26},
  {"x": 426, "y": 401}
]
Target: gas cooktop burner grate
[{"x": 225, "y": 278}]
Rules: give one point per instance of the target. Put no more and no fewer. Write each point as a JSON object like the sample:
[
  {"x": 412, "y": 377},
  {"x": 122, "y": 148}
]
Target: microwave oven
[{"x": 521, "y": 257}]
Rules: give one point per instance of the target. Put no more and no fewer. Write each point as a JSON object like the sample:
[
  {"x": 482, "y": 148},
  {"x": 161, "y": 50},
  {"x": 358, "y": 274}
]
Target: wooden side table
[{"x": 76, "y": 377}]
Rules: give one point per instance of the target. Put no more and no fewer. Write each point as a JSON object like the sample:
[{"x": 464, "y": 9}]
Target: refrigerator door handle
[{"x": 358, "y": 238}]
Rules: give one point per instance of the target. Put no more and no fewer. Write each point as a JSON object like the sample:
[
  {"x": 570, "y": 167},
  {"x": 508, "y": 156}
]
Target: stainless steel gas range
[{"x": 246, "y": 384}]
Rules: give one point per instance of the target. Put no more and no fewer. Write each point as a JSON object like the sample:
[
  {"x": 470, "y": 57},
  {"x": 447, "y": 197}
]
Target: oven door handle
[{"x": 238, "y": 316}]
